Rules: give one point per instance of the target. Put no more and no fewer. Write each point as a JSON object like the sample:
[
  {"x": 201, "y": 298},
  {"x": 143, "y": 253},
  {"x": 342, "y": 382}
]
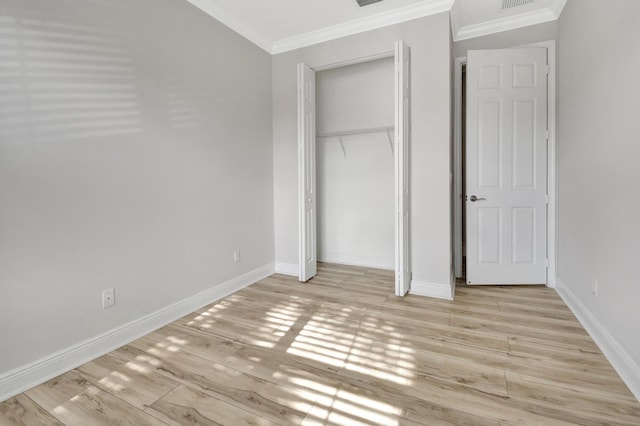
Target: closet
[{"x": 355, "y": 164}]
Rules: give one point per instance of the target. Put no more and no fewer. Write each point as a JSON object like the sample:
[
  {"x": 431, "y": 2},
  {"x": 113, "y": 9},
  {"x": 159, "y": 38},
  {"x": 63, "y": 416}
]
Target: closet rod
[{"x": 356, "y": 132}]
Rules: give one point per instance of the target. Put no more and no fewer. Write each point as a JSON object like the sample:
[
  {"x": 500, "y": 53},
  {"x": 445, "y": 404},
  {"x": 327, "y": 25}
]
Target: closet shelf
[
  {"x": 388, "y": 130},
  {"x": 355, "y": 132}
]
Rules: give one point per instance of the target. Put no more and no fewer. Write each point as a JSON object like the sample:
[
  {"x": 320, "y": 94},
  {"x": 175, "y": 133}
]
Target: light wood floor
[{"x": 342, "y": 349}]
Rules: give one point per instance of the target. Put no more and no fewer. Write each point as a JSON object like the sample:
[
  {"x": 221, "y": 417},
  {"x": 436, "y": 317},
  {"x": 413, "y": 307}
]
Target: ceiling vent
[
  {"x": 367, "y": 2},
  {"x": 508, "y": 4}
]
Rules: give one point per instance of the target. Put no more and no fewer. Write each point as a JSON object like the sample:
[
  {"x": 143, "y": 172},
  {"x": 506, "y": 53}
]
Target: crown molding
[
  {"x": 557, "y": 6},
  {"x": 219, "y": 14},
  {"x": 384, "y": 19},
  {"x": 504, "y": 24},
  {"x": 454, "y": 17},
  {"x": 380, "y": 20}
]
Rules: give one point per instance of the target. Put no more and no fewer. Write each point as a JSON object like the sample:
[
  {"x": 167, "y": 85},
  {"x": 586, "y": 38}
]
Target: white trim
[
  {"x": 301, "y": 173},
  {"x": 552, "y": 165},
  {"x": 457, "y": 167},
  {"x": 503, "y": 24},
  {"x": 437, "y": 290},
  {"x": 379, "y": 20},
  {"x": 22, "y": 378},
  {"x": 552, "y": 157},
  {"x": 354, "y": 61},
  {"x": 355, "y": 260},
  {"x": 621, "y": 361},
  {"x": 557, "y": 6},
  {"x": 218, "y": 12},
  {"x": 454, "y": 18},
  {"x": 287, "y": 269},
  {"x": 384, "y": 19}
]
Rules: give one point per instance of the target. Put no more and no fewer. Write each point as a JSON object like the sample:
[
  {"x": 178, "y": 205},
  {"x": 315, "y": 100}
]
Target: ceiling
[{"x": 281, "y": 25}]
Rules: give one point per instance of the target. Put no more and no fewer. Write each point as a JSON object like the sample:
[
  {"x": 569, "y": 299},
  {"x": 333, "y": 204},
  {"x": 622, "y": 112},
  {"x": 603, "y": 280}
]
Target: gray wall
[
  {"x": 135, "y": 153},
  {"x": 598, "y": 162},
  {"x": 356, "y": 187},
  {"x": 505, "y": 39},
  {"x": 430, "y": 155}
]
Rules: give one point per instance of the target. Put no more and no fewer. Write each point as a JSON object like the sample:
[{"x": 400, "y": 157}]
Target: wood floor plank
[
  {"x": 485, "y": 379},
  {"x": 570, "y": 325},
  {"x": 398, "y": 405},
  {"x": 180, "y": 338},
  {"x": 574, "y": 356},
  {"x": 76, "y": 401},
  {"x": 579, "y": 407},
  {"x": 274, "y": 317},
  {"x": 135, "y": 384},
  {"x": 472, "y": 401},
  {"x": 390, "y": 327},
  {"x": 188, "y": 406},
  {"x": 229, "y": 328},
  {"x": 545, "y": 335},
  {"x": 441, "y": 305},
  {"x": 341, "y": 349},
  {"x": 245, "y": 391},
  {"x": 22, "y": 411},
  {"x": 509, "y": 294},
  {"x": 539, "y": 312}
]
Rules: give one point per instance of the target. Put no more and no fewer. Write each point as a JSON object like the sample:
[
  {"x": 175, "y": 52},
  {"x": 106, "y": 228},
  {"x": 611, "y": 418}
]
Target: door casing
[{"x": 403, "y": 265}]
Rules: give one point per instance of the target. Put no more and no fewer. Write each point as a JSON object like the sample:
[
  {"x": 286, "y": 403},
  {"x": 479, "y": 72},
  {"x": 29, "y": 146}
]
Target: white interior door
[
  {"x": 308, "y": 260},
  {"x": 506, "y": 166},
  {"x": 402, "y": 133}
]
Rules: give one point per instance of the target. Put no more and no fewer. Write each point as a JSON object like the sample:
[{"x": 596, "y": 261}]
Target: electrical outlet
[
  {"x": 108, "y": 298},
  {"x": 594, "y": 290},
  {"x": 236, "y": 256}
]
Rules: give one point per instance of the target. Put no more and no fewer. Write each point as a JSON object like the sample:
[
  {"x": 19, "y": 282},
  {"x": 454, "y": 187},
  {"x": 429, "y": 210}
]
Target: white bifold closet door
[
  {"x": 308, "y": 256},
  {"x": 402, "y": 133}
]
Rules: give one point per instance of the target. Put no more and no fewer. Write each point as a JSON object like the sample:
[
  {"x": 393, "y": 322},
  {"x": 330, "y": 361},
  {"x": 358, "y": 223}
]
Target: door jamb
[
  {"x": 457, "y": 167},
  {"x": 552, "y": 165}
]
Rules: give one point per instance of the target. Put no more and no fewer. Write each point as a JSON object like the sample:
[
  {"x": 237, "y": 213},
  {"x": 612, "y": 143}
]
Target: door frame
[
  {"x": 302, "y": 168},
  {"x": 552, "y": 165}
]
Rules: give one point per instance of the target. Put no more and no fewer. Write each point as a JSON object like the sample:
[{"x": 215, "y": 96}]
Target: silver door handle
[{"x": 473, "y": 199}]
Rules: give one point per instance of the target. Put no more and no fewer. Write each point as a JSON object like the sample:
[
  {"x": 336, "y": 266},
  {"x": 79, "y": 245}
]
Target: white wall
[
  {"x": 599, "y": 150},
  {"x": 135, "y": 153},
  {"x": 429, "y": 39},
  {"x": 356, "y": 190}
]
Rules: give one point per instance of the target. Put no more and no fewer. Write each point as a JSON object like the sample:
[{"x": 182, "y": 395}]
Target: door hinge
[
  {"x": 548, "y": 69},
  {"x": 546, "y": 263},
  {"x": 548, "y": 134},
  {"x": 546, "y": 198}
]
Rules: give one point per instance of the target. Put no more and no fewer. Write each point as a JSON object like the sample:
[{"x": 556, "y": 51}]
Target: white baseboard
[
  {"x": 437, "y": 290},
  {"x": 287, "y": 268},
  {"x": 366, "y": 261},
  {"x": 621, "y": 361},
  {"x": 23, "y": 378}
]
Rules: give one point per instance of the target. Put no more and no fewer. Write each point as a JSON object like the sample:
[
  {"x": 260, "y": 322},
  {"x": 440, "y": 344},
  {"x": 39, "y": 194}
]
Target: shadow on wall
[
  {"x": 186, "y": 104},
  {"x": 62, "y": 80}
]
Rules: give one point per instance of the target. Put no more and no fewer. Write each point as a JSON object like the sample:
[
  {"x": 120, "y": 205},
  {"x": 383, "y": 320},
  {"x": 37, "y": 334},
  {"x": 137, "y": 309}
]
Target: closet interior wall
[{"x": 355, "y": 172}]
